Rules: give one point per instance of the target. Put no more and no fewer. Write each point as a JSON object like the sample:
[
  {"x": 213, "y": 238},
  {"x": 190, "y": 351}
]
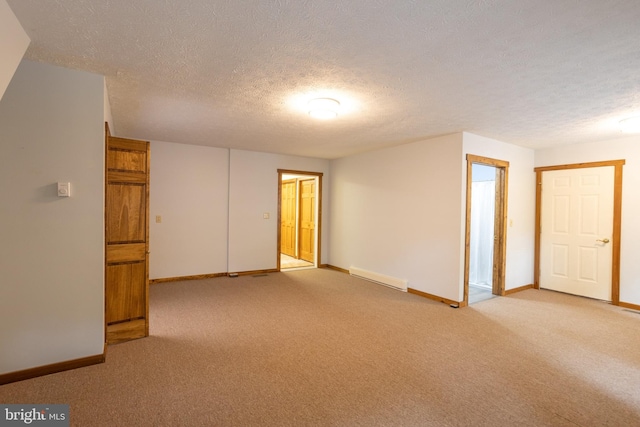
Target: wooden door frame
[
  {"x": 107, "y": 135},
  {"x": 617, "y": 220},
  {"x": 500, "y": 224},
  {"x": 318, "y": 248}
]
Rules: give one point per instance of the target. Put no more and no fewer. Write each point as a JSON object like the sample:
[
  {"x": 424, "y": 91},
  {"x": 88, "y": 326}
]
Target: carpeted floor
[{"x": 321, "y": 348}]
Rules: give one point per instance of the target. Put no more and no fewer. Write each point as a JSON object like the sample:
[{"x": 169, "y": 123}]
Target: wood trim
[
  {"x": 279, "y": 222},
  {"x": 185, "y": 278},
  {"x": 107, "y": 135},
  {"x": 214, "y": 275},
  {"x": 519, "y": 289},
  {"x": 617, "y": 234},
  {"x": 617, "y": 220},
  {"x": 467, "y": 231},
  {"x": 616, "y": 163},
  {"x": 297, "y": 172},
  {"x": 319, "y": 222},
  {"x": 437, "y": 298},
  {"x": 54, "y": 368},
  {"x": 252, "y": 272},
  {"x": 500, "y": 256},
  {"x": 625, "y": 305},
  {"x": 536, "y": 242},
  {"x": 333, "y": 267},
  {"x": 147, "y": 196},
  {"x": 487, "y": 161}
]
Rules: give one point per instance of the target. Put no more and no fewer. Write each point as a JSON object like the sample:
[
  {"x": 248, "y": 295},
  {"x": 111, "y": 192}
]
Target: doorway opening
[
  {"x": 299, "y": 219},
  {"x": 485, "y": 240}
]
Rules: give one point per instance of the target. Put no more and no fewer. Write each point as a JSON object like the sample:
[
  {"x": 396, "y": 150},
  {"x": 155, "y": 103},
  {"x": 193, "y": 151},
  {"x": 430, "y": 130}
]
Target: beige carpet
[{"x": 321, "y": 348}]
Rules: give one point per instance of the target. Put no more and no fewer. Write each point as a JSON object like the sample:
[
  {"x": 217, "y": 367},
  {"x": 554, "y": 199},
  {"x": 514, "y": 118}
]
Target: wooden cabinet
[{"x": 127, "y": 239}]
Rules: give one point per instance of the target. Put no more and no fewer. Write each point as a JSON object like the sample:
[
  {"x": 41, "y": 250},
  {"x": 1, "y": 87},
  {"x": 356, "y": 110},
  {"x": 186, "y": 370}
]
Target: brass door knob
[{"x": 605, "y": 240}]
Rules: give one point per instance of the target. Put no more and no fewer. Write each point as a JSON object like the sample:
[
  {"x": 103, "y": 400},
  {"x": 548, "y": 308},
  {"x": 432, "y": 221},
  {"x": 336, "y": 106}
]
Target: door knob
[{"x": 605, "y": 240}]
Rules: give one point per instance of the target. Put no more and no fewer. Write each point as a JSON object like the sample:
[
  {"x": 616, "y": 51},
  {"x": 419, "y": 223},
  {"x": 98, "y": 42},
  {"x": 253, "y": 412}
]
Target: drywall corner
[{"x": 13, "y": 44}]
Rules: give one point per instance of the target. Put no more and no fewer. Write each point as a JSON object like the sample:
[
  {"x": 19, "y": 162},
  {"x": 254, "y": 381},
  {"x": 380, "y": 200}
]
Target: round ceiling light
[
  {"x": 630, "y": 125},
  {"x": 323, "y": 108}
]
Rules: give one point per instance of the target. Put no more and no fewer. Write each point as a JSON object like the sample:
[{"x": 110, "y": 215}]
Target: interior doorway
[
  {"x": 299, "y": 219},
  {"x": 485, "y": 241},
  {"x": 483, "y": 203}
]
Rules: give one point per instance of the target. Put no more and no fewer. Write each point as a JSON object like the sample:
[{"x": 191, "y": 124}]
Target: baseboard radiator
[{"x": 381, "y": 279}]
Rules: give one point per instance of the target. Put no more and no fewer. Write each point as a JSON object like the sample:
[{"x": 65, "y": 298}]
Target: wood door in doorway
[
  {"x": 576, "y": 231},
  {"x": 288, "y": 218},
  {"x": 127, "y": 239},
  {"x": 307, "y": 235}
]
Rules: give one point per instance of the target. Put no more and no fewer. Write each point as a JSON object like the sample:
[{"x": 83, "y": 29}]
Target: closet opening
[{"x": 299, "y": 219}]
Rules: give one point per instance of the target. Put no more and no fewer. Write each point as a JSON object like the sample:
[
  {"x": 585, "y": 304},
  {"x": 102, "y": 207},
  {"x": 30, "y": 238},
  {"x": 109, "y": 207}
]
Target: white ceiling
[{"x": 238, "y": 73}]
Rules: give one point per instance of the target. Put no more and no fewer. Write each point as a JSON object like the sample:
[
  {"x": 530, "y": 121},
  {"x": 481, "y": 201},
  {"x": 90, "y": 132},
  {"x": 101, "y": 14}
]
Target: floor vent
[
  {"x": 380, "y": 279},
  {"x": 259, "y": 275}
]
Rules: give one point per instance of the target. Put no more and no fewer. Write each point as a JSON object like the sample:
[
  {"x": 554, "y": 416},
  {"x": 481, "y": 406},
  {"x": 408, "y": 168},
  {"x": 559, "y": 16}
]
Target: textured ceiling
[{"x": 230, "y": 73}]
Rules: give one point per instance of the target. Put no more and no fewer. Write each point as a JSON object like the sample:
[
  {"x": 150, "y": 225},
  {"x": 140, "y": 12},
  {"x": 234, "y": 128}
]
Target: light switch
[
  {"x": 64, "y": 189},
  {"x": 265, "y": 215},
  {"x": 158, "y": 219}
]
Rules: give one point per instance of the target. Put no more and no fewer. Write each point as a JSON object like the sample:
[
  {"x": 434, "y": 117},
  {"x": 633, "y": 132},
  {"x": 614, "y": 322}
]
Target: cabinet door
[{"x": 127, "y": 239}]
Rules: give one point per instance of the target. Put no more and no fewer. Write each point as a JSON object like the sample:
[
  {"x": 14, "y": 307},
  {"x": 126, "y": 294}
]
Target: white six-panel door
[{"x": 576, "y": 230}]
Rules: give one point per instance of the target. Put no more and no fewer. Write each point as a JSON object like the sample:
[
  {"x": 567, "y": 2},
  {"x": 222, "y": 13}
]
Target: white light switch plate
[{"x": 64, "y": 189}]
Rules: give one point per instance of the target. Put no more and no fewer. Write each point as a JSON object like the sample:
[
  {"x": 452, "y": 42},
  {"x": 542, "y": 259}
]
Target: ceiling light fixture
[
  {"x": 323, "y": 108},
  {"x": 630, "y": 125}
]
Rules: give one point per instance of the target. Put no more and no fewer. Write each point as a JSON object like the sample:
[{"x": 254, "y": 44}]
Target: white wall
[
  {"x": 253, "y": 191},
  {"x": 520, "y": 209},
  {"x": 108, "y": 117},
  {"x": 13, "y": 44},
  {"x": 51, "y": 248},
  {"x": 212, "y": 202},
  {"x": 189, "y": 190},
  {"x": 398, "y": 212},
  {"x": 628, "y": 149}
]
